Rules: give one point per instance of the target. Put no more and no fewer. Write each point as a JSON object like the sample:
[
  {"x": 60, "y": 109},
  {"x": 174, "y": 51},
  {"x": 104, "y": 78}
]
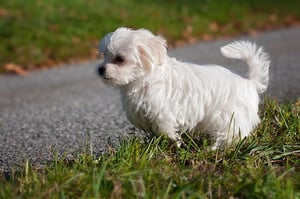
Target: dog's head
[{"x": 129, "y": 55}]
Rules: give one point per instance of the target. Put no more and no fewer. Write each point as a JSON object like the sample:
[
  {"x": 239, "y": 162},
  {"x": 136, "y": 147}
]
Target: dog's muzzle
[{"x": 101, "y": 72}]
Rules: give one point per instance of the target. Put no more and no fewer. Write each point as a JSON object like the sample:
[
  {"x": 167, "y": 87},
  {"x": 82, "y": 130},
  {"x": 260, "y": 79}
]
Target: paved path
[{"x": 64, "y": 109}]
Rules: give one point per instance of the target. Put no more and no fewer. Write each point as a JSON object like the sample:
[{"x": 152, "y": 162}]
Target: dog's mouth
[{"x": 107, "y": 78}]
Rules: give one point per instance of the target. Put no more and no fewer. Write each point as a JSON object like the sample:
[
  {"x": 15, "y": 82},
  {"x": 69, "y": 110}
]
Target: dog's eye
[{"x": 118, "y": 59}]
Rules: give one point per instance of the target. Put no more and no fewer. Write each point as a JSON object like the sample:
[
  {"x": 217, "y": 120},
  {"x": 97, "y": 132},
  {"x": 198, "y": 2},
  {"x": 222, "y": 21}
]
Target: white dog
[{"x": 164, "y": 96}]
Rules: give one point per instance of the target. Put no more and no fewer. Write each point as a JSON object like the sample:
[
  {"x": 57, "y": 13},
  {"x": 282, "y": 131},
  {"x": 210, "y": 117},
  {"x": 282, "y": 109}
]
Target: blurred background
[{"x": 43, "y": 33}]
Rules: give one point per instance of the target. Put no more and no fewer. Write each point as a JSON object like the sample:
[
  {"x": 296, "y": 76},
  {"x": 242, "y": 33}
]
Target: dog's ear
[
  {"x": 102, "y": 46},
  {"x": 152, "y": 49}
]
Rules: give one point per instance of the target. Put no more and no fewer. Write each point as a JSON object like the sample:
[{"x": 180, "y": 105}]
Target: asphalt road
[{"x": 63, "y": 110}]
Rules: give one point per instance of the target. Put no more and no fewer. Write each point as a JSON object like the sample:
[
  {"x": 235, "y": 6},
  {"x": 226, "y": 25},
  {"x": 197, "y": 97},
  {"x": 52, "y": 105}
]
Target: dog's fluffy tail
[{"x": 257, "y": 60}]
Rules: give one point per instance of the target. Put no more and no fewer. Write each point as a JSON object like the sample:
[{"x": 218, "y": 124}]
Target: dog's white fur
[{"x": 165, "y": 96}]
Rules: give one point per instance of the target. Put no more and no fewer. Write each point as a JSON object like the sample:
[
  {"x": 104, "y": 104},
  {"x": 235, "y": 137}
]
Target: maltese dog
[{"x": 162, "y": 95}]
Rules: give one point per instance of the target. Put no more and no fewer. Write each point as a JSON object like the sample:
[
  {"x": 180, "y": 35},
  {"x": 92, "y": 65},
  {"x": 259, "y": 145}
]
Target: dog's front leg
[{"x": 165, "y": 127}]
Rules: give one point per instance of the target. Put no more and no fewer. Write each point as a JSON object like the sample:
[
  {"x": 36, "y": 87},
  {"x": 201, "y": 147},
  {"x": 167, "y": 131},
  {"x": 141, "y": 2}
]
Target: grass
[
  {"x": 265, "y": 165},
  {"x": 35, "y": 33}
]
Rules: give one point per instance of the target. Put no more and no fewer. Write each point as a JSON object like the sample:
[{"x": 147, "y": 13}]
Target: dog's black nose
[{"x": 101, "y": 70}]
